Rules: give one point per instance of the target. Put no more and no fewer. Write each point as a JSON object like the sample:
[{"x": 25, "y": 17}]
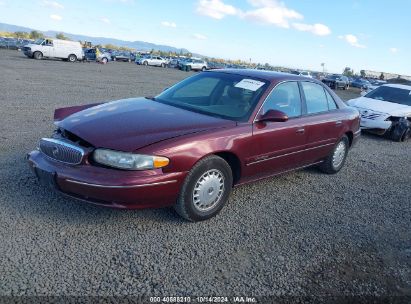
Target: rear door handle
[{"x": 300, "y": 131}]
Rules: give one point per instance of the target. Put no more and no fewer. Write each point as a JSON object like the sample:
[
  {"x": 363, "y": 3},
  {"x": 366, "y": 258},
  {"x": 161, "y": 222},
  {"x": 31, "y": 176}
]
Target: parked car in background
[
  {"x": 123, "y": 56},
  {"x": 173, "y": 63},
  {"x": 306, "y": 74},
  {"x": 336, "y": 81},
  {"x": 373, "y": 85},
  {"x": 194, "y": 64},
  {"x": 216, "y": 65},
  {"x": 90, "y": 55},
  {"x": 188, "y": 146},
  {"x": 360, "y": 83},
  {"x": 153, "y": 61},
  {"x": 54, "y": 48},
  {"x": 386, "y": 111}
]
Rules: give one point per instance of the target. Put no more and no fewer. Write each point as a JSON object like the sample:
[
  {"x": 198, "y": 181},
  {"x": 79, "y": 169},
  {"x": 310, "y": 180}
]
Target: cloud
[
  {"x": 394, "y": 50},
  {"x": 105, "y": 20},
  {"x": 215, "y": 9},
  {"x": 168, "y": 24},
  {"x": 56, "y": 17},
  {"x": 52, "y": 4},
  {"x": 199, "y": 36},
  {"x": 317, "y": 29},
  {"x": 352, "y": 40},
  {"x": 2, "y": 3},
  {"x": 271, "y": 12}
]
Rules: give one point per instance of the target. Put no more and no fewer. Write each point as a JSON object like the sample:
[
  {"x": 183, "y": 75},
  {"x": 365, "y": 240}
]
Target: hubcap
[
  {"x": 208, "y": 190},
  {"x": 339, "y": 154}
]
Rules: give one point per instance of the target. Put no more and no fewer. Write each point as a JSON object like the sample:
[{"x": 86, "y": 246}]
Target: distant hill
[{"x": 138, "y": 45}]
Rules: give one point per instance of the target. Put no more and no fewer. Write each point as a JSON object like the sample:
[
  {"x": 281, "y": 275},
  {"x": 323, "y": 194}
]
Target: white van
[{"x": 54, "y": 48}]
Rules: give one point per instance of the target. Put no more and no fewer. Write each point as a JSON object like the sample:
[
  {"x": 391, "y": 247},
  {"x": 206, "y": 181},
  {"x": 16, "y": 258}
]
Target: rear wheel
[
  {"x": 104, "y": 60},
  {"x": 203, "y": 69},
  {"x": 336, "y": 159},
  {"x": 72, "y": 58},
  {"x": 145, "y": 63},
  {"x": 206, "y": 189},
  {"x": 163, "y": 65},
  {"x": 38, "y": 55}
]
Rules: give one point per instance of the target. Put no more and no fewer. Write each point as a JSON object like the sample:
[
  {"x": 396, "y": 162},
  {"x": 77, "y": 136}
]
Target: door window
[
  {"x": 315, "y": 98},
  {"x": 285, "y": 98}
]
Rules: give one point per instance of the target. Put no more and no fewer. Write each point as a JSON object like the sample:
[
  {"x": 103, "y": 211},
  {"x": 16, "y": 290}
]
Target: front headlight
[{"x": 129, "y": 161}]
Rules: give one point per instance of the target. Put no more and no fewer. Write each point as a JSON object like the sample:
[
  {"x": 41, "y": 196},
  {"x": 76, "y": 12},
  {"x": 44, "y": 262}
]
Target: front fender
[{"x": 61, "y": 113}]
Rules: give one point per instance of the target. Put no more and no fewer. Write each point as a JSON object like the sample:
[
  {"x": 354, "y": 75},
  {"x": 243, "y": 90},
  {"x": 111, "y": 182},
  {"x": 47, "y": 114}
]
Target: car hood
[
  {"x": 391, "y": 108},
  {"x": 130, "y": 124}
]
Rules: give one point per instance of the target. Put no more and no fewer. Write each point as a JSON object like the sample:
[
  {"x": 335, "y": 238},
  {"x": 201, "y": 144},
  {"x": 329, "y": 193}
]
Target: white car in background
[
  {"x": 386, "y": 110},
  {"x": 54, "y": 48},
  {"x": 153, "y": 61}
]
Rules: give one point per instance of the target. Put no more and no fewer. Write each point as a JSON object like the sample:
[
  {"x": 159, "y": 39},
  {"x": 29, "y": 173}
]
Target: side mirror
[{"x": 273, "y": 116}]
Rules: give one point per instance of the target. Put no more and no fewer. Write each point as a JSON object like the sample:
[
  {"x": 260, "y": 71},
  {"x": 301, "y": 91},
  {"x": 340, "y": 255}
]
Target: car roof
[
  {"x": 262, "y": 74},
  {"x": 398, "y": 86}
]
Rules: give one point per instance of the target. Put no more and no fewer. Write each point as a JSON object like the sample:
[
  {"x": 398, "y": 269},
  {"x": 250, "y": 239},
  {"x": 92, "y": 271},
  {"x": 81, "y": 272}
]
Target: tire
[
  {"x": 203, "y": 69},
  {"x": 406, "y": 135},
  {"x": 199, "y": 199},
  {"x": 72, "y": 58},
  {"x": 38, "y": 55},
  {"x": 336, "y": 159},
  {"x": 163, "y": 65},
  {"x": 145, "y": 63},
  {"x": 104, "y": 60}
]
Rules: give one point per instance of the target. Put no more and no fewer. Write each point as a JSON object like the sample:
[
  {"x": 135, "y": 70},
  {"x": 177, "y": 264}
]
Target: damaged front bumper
[{"x": 108, "y": 187}]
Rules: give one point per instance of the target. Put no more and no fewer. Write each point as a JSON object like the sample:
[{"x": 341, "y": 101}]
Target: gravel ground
[{"x": 303, "y": 233}]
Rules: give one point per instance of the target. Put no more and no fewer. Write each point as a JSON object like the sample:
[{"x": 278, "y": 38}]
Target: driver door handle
[{"x": 300, "y": 131}]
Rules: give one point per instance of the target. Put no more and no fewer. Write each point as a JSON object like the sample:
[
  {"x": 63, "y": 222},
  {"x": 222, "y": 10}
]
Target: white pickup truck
[{"x": 54, "y": 48}]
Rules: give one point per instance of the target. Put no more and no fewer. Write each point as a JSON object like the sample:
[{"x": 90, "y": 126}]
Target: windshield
[
  {"x": 390, "y": 94},
  {"x": 224, "y": 95},
  {"x": 38, "y": 41}
]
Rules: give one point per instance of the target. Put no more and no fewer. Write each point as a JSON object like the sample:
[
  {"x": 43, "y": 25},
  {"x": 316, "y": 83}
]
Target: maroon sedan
[{"x": 188, "y": 146}]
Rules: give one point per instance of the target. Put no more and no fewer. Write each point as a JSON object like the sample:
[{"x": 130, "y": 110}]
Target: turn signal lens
[{"x": 160, "y": 162}]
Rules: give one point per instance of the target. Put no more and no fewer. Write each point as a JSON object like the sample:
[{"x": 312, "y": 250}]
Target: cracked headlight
[{"x": 129, "y": 161}]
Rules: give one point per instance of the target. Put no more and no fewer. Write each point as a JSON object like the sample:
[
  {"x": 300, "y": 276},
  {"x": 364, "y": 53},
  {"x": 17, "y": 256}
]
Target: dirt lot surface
[{"x": 304, "y": 233}]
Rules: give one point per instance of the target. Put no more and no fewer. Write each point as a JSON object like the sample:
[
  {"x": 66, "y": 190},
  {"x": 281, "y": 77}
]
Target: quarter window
[
  {"x": 285, "y": 98},
  {"x": 331, "y": 101},
  {"x": 315, "y": 98}
]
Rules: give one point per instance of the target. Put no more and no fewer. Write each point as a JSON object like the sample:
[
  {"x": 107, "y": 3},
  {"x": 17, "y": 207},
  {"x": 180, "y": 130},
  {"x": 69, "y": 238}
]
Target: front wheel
[
  {"x": 104, "y": 60},
  {"x": 145, "y": 63},
  {"x": 38, "y": 55},
  {"x": 336, "y": 159},
  {"x": 206, "y": 189}
]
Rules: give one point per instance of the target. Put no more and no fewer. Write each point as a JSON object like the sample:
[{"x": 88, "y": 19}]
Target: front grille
[
  {"x": 61, "y": 151},
  {"x": 370, "y": 116}
]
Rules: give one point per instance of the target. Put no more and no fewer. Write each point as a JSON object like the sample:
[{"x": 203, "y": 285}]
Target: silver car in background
[{"x": 153, "y": 61}]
